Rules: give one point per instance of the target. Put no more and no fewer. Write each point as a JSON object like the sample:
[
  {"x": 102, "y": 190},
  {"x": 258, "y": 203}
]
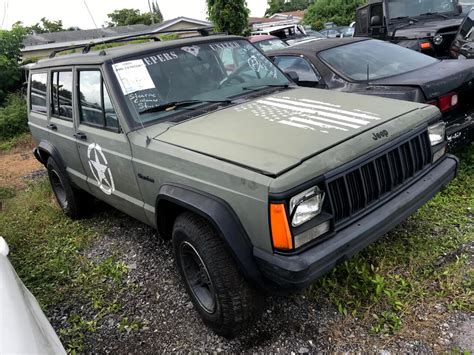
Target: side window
[
  {"x": 95, "y": 106},
  {"x": 61, "y": 94},
  {"x": 301, "y": 66},
  {"x": 38, "y": 92},
  {"x": 362, "y": 24},
  {"x": 467, "y": 28}
]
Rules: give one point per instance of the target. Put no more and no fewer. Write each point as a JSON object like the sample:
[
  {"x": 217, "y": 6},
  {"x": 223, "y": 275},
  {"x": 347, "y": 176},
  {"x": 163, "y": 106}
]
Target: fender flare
[
  {"x": 47, "y": 147},
  {"x": 225, "y": 221}
]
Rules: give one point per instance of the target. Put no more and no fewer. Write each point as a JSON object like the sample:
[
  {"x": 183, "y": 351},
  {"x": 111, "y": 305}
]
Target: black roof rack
[{"x": 204, "y": 32}]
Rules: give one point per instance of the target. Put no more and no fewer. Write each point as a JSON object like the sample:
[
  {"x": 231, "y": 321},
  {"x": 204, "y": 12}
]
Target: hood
[
  {"x": 428, "y": 28},
  {"x": 435, "y": 80},
  {"x": 276, "y": 132}
]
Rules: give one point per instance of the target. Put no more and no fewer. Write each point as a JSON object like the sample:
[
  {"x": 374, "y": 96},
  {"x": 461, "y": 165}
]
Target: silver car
[{"x": 24, "y": 329}]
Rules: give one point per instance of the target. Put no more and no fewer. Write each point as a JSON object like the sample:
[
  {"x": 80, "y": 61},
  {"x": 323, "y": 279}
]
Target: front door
[{"x": 103, "y": 147}]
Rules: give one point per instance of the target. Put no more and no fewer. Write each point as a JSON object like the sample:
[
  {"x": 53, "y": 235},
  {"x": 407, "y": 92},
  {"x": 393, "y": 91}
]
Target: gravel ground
[{"x": 295, "y": 324}]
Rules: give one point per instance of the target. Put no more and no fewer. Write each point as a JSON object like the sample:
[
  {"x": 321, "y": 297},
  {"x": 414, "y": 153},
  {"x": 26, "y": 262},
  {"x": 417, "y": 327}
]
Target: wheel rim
[
  {"x": 197, "y": 277},
  {"x": 58, "y": 188}
]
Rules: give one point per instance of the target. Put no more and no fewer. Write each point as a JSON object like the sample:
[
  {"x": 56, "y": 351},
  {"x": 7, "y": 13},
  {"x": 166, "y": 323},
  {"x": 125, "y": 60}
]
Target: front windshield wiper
[
  {"x": 170, "y": 106},
  {"x": 434, "y": 13},
  {"x": 265, "y": 86},
  {"x": 405, "y": 17}
]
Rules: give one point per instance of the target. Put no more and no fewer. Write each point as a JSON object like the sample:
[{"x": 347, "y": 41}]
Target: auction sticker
[{"x": 133, "y": 76}]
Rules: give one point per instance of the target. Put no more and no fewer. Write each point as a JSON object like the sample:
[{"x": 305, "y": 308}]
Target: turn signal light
[
  {"x": 425, "y": 45},
  {"x": 281, "y": 235},
  {"x": 446, "y": 102}
]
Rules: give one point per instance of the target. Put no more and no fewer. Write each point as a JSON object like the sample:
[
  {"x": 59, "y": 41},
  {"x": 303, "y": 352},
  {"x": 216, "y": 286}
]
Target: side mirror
[
  {"x": 293, "y": 76},
  {"x": 375, "y": 21},
  {"x": 459, "y": 8}
]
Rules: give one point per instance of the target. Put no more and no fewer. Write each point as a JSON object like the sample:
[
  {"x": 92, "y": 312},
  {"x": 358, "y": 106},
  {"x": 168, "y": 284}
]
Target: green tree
[
  {"x": 229, "y": 16},
  {"x": 126, "y": 17},
  {"x": 276, "y": 6},
  {"x": 10, "y": 57},
  {"x": 156, "y": 12},
  {"x": 341, "y": 12},
  {"x": 46, "y": 26}
]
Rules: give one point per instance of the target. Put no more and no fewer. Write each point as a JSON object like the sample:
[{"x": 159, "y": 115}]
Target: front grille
[{"x": 358, "y": 188}]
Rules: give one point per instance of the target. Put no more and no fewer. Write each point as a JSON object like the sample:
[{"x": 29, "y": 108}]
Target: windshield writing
[{"x": 211, "y": 71}]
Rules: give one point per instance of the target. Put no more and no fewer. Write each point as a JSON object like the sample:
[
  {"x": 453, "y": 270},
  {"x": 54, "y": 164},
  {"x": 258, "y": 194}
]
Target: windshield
[
  {"x": 466, "y": 5},
  {"x": 211, "y": 71},
  {"x": 271, "y": 44},
  {"x": 411, "y": 8},
  {"x": 383, "y": 60}
]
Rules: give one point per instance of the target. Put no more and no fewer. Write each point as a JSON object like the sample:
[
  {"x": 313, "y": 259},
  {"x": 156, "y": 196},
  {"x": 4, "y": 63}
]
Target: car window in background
[
  {"x": 38, "y": 93},
  {"x": 271, "y": 44},
  {"x": 466, "y": 5},
  {"x": 299, "y": 65},
  {"x": 467, "y": 28},
  {"x": 315, "y": 34},
  {"x": 382, "y": 60}
]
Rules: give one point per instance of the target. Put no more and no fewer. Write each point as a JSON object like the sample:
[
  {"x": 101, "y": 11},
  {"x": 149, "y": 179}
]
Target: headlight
[
  {"x": 306, "y": 205},
  {"x": 437, "y": 133},
  {"x": 438, "y": 39}
]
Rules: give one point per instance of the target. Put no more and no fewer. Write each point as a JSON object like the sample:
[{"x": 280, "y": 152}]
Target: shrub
[
  {"x": 13, "y": 117},
  {"x": 341, "y": 12}
]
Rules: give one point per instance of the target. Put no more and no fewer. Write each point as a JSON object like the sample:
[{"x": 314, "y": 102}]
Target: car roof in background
[
  {"x": 116, "y": 53},
  {"x": 313, "y": 47},
  {"x": 260, "y": 38}
]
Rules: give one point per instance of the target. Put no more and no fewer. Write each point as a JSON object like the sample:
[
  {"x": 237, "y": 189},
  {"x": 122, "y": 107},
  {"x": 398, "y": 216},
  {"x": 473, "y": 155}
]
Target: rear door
[
  {"x": 103, "y": 147},
  {"x": 61, "y": 123}
]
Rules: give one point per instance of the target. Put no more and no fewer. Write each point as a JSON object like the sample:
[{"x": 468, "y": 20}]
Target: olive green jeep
[{"x": 262, "y": 186}]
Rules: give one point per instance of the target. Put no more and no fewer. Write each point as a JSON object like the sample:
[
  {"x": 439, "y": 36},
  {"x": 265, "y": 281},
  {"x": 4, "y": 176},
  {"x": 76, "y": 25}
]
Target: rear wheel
[
  {"x": 73, "y": 202},
  {"x": 223, "y": 299}
]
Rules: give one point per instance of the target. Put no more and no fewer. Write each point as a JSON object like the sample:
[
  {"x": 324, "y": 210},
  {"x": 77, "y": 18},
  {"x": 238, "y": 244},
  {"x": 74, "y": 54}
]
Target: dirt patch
[{"x": 18, "y": 163}]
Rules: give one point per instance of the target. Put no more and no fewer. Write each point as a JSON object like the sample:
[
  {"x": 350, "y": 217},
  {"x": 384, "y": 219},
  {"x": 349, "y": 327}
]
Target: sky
[{"x": 74, "y": 12}]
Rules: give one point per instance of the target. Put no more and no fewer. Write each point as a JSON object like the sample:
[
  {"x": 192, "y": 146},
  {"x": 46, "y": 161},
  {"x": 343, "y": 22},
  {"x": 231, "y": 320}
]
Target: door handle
[
  {"x": 81, "y": 136},
  {"x": 52, "y": 127}
]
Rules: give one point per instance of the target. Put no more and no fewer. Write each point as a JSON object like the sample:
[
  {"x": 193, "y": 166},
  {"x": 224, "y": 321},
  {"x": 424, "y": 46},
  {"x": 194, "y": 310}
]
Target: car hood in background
[
  {"x": 428, "y": 28},
  {"x": 274, "y": 133},
  {"x": 436, "y": 79},
  {"x": 24, "y": 329}
]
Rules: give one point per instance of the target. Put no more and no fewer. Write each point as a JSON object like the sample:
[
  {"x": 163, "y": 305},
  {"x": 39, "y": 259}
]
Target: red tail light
[{"x": 446, "y": 102}]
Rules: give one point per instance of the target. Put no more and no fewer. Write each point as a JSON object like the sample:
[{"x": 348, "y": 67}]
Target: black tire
[
  {"x": 234, "y": 303},
  {"x": 74, "y": 202}
]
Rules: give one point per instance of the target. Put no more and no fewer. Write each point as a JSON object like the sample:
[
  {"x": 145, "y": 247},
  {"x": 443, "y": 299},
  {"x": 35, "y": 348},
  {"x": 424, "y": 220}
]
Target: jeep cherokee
[{"x": 262, "y": 186}]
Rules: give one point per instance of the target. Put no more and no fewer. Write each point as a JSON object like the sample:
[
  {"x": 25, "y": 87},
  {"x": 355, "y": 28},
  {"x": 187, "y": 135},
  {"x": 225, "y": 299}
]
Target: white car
[{"x": 24, "y": 329}]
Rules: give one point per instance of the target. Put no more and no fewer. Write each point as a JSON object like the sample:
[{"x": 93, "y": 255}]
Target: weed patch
[
  {"x": 423, "y": 261},
  {"x": 46, "y": 249}
]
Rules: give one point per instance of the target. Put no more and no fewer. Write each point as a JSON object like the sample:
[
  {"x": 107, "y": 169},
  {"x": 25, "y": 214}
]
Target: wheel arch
[
  {"x": 44, "y": 150},
  {"x": 174, "y": 199}
]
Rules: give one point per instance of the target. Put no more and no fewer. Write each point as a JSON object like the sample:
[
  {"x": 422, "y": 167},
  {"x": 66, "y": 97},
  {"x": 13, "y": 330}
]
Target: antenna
[{"x": 148, "y": 139}]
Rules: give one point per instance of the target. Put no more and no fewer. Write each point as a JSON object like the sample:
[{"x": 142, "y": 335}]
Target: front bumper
[
  {"x": 460, "y": 131},
  {"x": 294, "y": 272}
]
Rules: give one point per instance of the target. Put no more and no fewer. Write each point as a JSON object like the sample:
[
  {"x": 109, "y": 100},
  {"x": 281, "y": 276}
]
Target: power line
[
  {"x": 90, "y": 14},
  {"x": 5, "y": 8}
]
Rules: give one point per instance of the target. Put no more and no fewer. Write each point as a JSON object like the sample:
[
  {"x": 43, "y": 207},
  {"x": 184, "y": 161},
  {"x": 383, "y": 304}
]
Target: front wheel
[{"x": 223, "y": 299}]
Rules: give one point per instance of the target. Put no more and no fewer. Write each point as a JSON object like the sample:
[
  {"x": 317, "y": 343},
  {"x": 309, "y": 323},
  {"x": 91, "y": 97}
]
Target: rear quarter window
[{"x": 38, "y": 89}]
